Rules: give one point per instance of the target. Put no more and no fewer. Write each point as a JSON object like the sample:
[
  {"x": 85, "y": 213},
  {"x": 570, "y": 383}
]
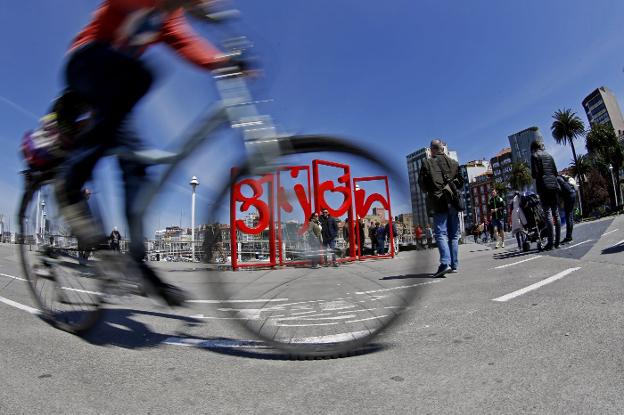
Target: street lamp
[
  {"x": 614, "y": 188},
  {"x": 194, "y": 183},
  {"x": 42, "y": 220}
]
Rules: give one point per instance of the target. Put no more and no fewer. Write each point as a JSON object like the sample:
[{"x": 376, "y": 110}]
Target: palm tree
[
  {"x": 602, "y": 141},
  {"x": 582, "y": 167},
  {"x": 520, "y": 176},
  {"x": 567, "y": 127}
]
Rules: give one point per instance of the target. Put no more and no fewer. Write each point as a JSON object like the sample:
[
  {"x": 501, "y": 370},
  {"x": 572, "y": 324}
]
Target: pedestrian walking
[
  {"x": 380, "y": 235},
  {"x": 419, "y": 237},
  {"x": 329, "y": 230},
  {"x": 568, "y": 194},
  {"x": 115, "y": 240},
  {"x": 361, "y": 232},
  {"x": 429, "y": 236},
  {"x": 497, "y": 208},
  {"x": 544, "y": 171},
  {"x": 372, "y": 234},
  {"x": 440, "y": 179},
  {"x": 518, "y": 220},
  {"x": 395, "y": 238},
  {"x": 315, "y": 237}
]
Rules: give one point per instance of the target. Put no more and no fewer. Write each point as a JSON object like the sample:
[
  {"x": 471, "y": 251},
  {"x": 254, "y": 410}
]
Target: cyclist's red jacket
[{"x": 133, "y": 25}]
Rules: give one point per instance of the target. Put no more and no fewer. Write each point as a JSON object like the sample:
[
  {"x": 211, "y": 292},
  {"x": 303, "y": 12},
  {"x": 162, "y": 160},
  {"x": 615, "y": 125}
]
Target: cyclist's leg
[{"x": 111, "y": 83}]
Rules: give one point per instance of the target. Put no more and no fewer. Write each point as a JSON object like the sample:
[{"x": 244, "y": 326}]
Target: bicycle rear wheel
[
  {"x": 300, "y": 297},
  {"x": 62, "y": 276}
]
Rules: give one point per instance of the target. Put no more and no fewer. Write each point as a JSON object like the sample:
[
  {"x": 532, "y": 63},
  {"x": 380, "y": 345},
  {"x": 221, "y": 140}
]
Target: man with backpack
[
  {"x": 568, "y": 194},
  {"x": 544, "y": 171},
  {"x": 440, "y": 179}
]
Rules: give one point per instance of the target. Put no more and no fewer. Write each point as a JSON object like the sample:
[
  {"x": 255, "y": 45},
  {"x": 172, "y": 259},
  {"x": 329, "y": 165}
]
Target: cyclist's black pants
[{"x": 111, "y": 83}]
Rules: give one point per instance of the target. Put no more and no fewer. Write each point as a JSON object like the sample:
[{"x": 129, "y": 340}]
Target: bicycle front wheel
[
  {"x": 61, "y": 274},
  {"x": 314, "y": 288}
]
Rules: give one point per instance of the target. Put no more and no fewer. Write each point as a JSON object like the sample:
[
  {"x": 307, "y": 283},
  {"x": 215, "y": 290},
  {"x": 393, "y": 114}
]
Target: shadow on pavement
[
  {"x": 512, "y": 254},
  {"x": 119, "y": 328},
  {"x": 614, "y": 249},
  {"x": 406, "y": 277}
]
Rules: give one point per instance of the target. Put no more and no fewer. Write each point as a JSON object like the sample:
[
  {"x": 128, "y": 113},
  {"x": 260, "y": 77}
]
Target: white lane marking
[
  {"x": 536, "y": 285},
  {"x": 306, "y": 325},
  {"x": 358, "y": 311},
  {"x": 63, "y": 288},
  {"x": 259, "y": 300},
  {"x": 580, "y": 243},
  {"x": 402, "y": 287},
  {"x": 618, "y": 243},
  {"x": 609, "y": 233},
  {"x": 518, "y": 262},
  {"x": 81, "y": 291},
  {"x": 301, "y": 313},
  {"x": 13, "y": 277},
  {"x": 15, "y": 304}
]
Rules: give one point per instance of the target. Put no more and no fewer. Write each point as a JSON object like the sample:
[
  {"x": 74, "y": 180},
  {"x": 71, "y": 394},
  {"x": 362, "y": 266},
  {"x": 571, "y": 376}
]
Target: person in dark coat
[
  {"x": 441, "y": 179},
  {"x": 568, "y": 194},
  {"x": 544, "y": 171},
  {"x": 380, "y": 235},
  {"x": 372, "y": 234},
  {"x": 314, "y": 239},
  {"x": 395, "y": 238},
  {"x": 359, "y": 226},
  {"x": 329, "y": 232}
]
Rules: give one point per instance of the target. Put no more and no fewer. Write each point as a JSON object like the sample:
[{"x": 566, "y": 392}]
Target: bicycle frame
[{"x": 235, "y": 109}]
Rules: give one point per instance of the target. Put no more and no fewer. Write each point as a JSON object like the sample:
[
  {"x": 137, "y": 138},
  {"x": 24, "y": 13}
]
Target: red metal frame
[
  {"x": 307, "y": 212},
  {"x": 347, "y": 205},
  {"x": 264, "y": 209},
  {"x": 363, "y": 205},
  {"x": 353, "y": 205}
]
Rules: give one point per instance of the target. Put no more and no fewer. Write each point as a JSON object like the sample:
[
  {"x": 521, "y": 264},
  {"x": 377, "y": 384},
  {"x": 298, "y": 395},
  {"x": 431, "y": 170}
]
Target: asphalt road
[{"x": 510, "y": 333}]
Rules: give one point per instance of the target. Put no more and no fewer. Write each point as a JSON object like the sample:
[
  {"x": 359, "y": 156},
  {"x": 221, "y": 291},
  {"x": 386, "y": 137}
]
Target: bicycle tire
[
  {"x": 306, "y": 144},
  {"x": 74, "y": 321}
]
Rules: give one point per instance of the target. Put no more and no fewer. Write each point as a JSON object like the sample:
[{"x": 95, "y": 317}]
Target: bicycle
[{"x": 360, "y": 297}]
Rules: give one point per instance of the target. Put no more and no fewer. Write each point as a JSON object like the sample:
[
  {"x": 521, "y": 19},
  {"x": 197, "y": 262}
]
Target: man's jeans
[
  {"x": 550, "y": 204},
  {"x": 330, "y": 246},
  {"x": 446, "y": 229},
  {"x": 568, "y": 206}
]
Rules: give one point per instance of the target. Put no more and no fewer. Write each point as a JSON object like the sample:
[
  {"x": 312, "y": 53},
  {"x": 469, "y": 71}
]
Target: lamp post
[
  {"x": 614, "y": 187},
  {"x": 194, "y": 183},
  {"x": 42, "y": 220}
]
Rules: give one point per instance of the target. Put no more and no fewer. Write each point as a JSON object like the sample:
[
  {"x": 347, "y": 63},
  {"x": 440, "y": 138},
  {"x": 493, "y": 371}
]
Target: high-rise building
[
  {"x": 469, "y": 172},
  {"x": 407, "y": 220},
  {"x": 520, "y": 143},
  {"x": 419, "y": 197},
  {"x": 501, "y": 167},
  {"x": 380, "y": 213},
  {"x": 480, "y": 189},
  {"x": 602, "y": 107}
]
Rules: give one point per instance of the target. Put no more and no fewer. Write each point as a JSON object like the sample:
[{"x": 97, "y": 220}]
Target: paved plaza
[{"x": 512, "y": 332}]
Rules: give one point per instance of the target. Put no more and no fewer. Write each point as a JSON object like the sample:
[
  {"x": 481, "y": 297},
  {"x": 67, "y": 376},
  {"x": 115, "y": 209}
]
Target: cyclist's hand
[{"x": 243, "y": 63}]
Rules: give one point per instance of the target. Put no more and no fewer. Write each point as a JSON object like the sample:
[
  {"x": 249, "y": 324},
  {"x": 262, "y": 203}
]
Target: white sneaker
[{"x": 503, "y": 244}]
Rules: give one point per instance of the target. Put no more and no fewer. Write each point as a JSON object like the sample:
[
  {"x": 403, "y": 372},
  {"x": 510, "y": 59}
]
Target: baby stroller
[{"x": 535, "y": 229}]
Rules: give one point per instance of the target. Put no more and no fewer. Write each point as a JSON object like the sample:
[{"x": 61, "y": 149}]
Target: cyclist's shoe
[{"x": 173, "y": 296}]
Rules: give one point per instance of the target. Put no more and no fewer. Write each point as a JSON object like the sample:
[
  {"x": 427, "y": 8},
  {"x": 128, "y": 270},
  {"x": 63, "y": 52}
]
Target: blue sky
[{"x": 392, "y": 74}]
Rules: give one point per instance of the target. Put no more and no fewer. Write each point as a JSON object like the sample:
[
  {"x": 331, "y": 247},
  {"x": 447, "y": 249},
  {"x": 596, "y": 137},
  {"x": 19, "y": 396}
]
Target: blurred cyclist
[{"x": 105, "y": 69}]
